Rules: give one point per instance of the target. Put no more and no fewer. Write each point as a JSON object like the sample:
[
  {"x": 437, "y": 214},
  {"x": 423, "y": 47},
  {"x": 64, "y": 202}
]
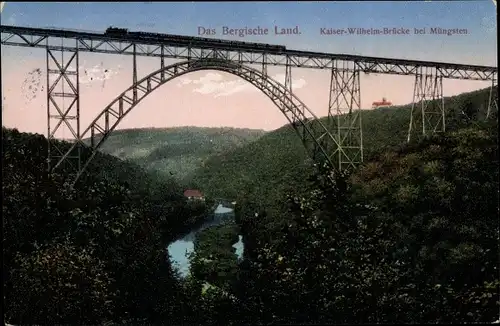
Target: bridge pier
[
  {"x": 428, "y": 95},
  {"x": 289, "y": 88},
  {"x": 63, "y": 106},
  {"x": 264, "y": 65},
  {"x": 162, "y": 63},
  {"x": 134, "y": 71},
  {"x": 345, "y": 104},
  {"x": 493, "y": 99}
]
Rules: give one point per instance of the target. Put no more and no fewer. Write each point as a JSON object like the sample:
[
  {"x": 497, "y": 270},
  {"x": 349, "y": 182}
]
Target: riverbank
[
  {"x": 214, "y": 259},
  {"x": 181, "y": 250}
]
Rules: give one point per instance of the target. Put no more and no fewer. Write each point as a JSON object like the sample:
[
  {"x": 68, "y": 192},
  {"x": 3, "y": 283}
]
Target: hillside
[
  {"x": 277, "y": 161},
  {"x": 411, "y": 237},
  {"x": 176, "y": 152},
  {"x": 98, "y": 248}
]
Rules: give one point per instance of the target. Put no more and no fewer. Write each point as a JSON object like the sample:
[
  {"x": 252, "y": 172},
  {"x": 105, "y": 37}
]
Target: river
[{"x": 179, "y": 250}]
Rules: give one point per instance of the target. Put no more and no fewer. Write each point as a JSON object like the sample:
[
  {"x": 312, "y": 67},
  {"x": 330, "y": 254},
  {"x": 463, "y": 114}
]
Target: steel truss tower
[
  {"x": 287, "y": 101},
  {"x": 493, "y": 99},
  {"x": 63, "y": 108},
  {"x": 428, "y": 96},
  {"x": 339, "y": 139},
  {"x": 345, "y": 104}
]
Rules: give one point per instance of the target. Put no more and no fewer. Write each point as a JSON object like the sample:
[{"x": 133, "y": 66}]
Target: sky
[{"x": 212, "y": 98}]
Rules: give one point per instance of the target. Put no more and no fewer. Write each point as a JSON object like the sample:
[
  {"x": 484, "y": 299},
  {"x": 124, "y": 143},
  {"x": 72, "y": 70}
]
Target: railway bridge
[{"x": 336, "y": 140}]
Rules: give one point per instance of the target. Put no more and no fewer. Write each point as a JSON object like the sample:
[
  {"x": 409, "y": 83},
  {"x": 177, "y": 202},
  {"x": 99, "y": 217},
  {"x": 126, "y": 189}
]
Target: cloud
[{"x": 215, "y": 84}]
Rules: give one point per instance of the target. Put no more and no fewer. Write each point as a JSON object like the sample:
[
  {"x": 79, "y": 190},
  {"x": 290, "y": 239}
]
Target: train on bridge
[{"x": 121, "y": 32}]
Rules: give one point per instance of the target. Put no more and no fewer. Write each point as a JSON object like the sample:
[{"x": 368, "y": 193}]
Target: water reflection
[{"x": 239, "y": 247}]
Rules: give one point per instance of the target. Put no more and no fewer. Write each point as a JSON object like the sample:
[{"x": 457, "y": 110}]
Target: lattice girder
[
  {"x": 344, "y": 114},
  {"x": 428, "y": 104},
  {"x": 293, "y": 109},
  {"x": 493, "y": 99},
  {"x": 63, "y": 106},
  {"x": 99, "y": 43}
]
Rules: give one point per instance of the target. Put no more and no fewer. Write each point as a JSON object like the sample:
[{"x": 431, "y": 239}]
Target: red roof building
[
  {"x": 193, "y": 194},
  {"x": 384, "y": 103}
]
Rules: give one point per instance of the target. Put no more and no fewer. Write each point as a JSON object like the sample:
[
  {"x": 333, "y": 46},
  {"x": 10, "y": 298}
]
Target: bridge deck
[{"x": 184, "y": 49}]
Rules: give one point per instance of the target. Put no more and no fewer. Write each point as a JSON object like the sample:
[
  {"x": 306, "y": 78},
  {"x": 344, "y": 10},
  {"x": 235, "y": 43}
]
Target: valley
[
  {"x": 409, "y": 236},
  {"x": 176, "y": 152}
]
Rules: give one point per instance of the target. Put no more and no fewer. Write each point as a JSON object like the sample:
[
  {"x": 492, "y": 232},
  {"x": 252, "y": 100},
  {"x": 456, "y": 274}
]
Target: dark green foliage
[
  {"x": 415, "y": 239},
  {"x": 214, "y": 260},
  {"x": 92, "y": 254},
  {"x": 411, "y": 236},
  {"x": 257, "y": 171},
  {"x": 277, "y": 162},
  {"x": 175, "y": 152},
  {"x": 441, "y": 195}
]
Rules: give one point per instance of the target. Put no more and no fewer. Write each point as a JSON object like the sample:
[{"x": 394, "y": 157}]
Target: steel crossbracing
[
  {"x": 337, "y": 139},
  {"x": 293, "y": 109},
  {"x": 493, "y": 99},
  {"x": 345, "y": 98},
  {"x": 428, "y": 96},
  {"x": 63, "y": 105},
  {"x": 100, "y": 43}
]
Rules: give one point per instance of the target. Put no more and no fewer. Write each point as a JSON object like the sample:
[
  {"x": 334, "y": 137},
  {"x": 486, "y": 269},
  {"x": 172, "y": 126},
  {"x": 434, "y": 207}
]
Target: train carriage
[{"x": 192, "y": 40}]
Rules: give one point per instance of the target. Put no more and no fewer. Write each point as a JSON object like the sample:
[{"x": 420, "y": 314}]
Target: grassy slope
[
  {"x": 175, "y": 150},
  {"x": 277, "y": 161}
]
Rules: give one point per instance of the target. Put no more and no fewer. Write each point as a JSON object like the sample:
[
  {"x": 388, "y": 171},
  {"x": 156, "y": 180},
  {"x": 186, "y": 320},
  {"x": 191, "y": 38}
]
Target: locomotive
[
  {"x": 114, "y": 31},
  {"x": 191, "y": 40}
]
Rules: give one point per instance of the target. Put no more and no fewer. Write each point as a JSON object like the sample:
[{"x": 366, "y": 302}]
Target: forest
[
  {"x": 176, "y": 152},
  {"x": 411, "y": 236}
]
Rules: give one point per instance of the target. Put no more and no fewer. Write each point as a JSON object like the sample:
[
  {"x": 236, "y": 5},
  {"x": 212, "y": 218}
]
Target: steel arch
[{"x": 313, "y": 133}]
